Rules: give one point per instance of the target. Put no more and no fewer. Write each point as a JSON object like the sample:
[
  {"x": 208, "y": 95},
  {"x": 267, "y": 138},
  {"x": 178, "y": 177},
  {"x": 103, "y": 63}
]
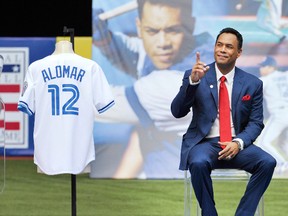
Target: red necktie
[{"x": 224, "y": 113}]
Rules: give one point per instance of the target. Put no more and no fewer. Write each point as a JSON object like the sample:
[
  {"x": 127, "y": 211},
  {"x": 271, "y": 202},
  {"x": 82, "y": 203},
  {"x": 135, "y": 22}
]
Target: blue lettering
[
  {"x": 63, "y": 71},
  {"x": 50, "y": 74},
  {"x": 73, "y": 73},
  {"x": 80, "y": 75},
  {"x": 66, "y": 71},
  {"x": 45, "y": 75},
  {"x": 58, "y": 71}
]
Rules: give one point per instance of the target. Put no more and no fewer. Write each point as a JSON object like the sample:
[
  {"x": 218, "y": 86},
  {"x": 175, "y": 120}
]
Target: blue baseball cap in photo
[{"x": 269, "y": 61}]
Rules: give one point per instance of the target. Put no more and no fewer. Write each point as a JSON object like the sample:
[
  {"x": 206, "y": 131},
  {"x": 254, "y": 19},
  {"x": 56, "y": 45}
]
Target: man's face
[
  {"x": 162, "y": 33},
  {"x": 226, "y": 51}
]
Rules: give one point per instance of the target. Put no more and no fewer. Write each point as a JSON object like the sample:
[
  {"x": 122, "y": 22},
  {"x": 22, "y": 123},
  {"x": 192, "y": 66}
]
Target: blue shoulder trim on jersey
[
  {"x": 139, "y": 110},
  {"x": 106, "y": 107},
  {"x": 23, "y": 107}
]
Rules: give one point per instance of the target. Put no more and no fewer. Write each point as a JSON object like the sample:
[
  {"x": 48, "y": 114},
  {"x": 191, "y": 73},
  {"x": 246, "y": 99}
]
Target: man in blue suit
[{"x": 201, "y": 150}]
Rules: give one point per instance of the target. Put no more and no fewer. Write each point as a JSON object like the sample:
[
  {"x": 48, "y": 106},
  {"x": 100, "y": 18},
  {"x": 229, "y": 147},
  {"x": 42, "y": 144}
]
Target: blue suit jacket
[{"x": 247, "y": 108}]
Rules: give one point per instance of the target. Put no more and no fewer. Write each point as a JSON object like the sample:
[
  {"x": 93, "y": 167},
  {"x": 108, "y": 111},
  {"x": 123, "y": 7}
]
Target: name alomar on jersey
[{"x": 62, "y": 71}]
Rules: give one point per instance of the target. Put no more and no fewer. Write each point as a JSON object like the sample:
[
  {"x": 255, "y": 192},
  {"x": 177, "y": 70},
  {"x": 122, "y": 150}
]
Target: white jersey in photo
[{"x": 64, "y": 92}]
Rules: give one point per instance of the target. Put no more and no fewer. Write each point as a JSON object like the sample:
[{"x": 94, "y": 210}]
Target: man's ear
[
  {"x": 189, "y": 24},
  {"x": 239, "y": 53},
  {"x": 192, "y": 24},
  {"x": 138, "y": 26}
]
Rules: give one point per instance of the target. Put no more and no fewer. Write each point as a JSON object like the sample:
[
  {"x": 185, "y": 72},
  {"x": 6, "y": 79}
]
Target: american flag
[
  {"x": 12, "y": 78},
  {"x": 10, "y": 107},
  {"x": 8, "y": 89}
]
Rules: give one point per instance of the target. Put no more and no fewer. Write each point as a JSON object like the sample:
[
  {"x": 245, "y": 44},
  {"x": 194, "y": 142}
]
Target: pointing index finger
[{"x": 197, "y": 57}]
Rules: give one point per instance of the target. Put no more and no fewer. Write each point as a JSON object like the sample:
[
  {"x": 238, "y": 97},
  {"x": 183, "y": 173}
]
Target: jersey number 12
[{"x": 69, "y": 107}]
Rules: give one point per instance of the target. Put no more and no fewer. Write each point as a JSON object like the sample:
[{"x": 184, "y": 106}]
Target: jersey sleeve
[
  {"x": 27, "y": 97},
  {"x": 155, "y": 97},
  {"x": 103, "y": 97}
]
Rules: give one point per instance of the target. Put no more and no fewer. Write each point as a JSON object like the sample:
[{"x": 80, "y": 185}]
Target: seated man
[{"x": 212, "y": 140}]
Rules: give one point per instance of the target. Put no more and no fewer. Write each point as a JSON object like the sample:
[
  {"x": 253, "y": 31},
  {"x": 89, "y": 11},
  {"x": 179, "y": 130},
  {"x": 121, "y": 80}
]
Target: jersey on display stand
[{"x": 64, "y": 91}]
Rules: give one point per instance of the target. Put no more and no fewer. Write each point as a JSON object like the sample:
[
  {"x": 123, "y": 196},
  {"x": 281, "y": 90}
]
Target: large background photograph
[{"x": 144, "y": 47}]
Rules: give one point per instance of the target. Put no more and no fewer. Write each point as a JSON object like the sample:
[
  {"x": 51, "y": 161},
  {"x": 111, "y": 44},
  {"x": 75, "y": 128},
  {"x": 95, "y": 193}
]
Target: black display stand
[{"x": 70, "y": 31}]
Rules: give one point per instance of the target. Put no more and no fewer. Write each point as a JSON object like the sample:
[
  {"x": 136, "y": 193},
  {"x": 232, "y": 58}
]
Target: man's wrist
[
  {"x": 193, "y": 82},
  {"x": 239, "y": 142}
]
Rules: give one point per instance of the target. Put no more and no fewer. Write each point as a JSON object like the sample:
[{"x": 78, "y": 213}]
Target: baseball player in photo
[
  {"x": 275, "y": 86},
  {"x": 157, "y": 57},
  {"x": 269, "y": 17}
]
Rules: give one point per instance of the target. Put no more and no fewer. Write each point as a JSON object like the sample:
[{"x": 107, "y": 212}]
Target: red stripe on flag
[
  {"x": 1, "y": 123},
  {"x": 11, "y": 107},
  {"x": 12, "y": 126},
  {"x": 9, "y": 88}
]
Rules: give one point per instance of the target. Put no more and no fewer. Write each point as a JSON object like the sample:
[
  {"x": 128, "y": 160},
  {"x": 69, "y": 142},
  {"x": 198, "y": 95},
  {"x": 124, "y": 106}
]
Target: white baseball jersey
[
  {"x": 275, "y": 90},
  {"x": 64, "y": 91}
]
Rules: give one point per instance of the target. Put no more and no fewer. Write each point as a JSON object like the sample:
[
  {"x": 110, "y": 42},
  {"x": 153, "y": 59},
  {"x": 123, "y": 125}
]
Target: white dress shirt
[{"x": 215, "y": 130}]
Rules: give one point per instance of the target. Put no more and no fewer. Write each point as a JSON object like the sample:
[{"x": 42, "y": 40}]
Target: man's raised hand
[{"x": 199, "y": 69}]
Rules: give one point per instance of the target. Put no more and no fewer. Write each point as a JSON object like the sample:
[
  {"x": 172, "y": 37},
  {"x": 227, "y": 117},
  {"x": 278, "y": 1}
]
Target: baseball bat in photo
[{"x": 118, "y": 10}]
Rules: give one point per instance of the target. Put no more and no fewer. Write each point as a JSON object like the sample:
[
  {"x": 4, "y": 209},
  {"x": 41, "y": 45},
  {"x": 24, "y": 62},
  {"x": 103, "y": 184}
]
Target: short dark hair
[
  {"x": 232, "y": 31},
  {"x": 184, "y": 5}
]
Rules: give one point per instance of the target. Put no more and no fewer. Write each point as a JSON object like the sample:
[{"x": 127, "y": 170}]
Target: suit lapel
[
  {"x": 237, "y": 88},
  {"x": 212, "y": 83}
]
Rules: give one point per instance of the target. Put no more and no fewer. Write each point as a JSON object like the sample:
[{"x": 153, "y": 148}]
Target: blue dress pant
[{"x": 203, "y": 158}]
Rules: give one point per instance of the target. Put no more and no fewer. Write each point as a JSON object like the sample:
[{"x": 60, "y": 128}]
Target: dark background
[
  {"x": 47, "y": 18},
  {"x": 44, "y": 18}
]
